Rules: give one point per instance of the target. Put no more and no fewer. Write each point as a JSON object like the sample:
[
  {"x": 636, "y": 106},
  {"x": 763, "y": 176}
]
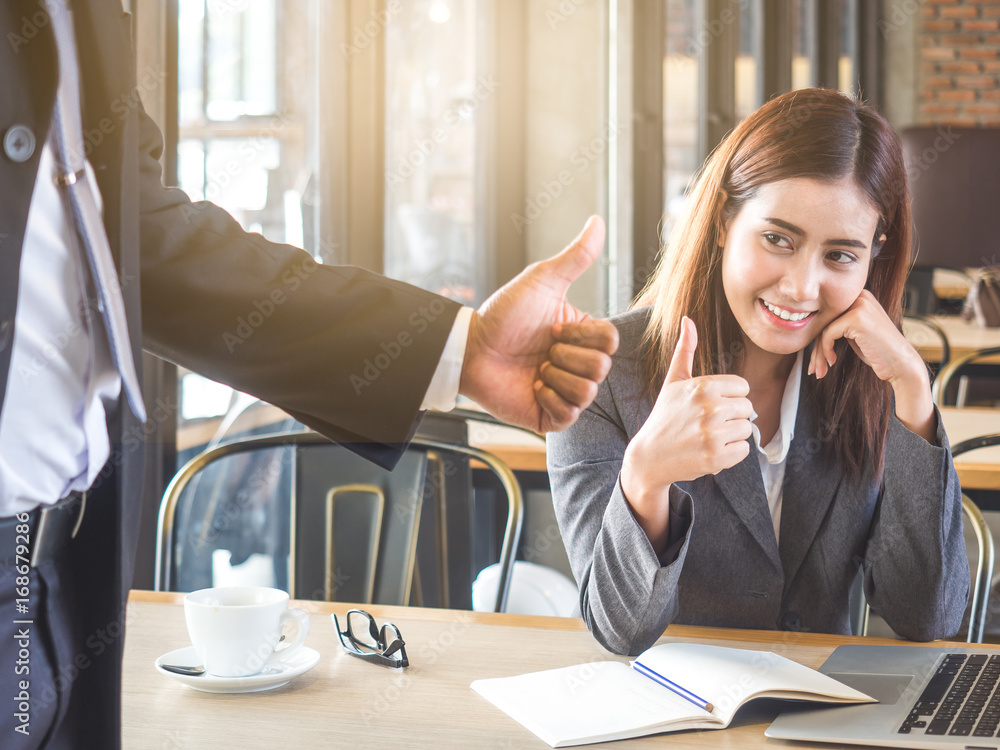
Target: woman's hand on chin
[{"x": 881, "y": 346}]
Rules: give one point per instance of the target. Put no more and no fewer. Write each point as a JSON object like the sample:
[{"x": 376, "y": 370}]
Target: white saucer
[{"x": 274, "y": 675}]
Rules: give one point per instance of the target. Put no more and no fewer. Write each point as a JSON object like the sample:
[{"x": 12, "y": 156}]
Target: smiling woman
[
  {"x": 853, "y": 158},
  {"x": 743, "y": 482}
]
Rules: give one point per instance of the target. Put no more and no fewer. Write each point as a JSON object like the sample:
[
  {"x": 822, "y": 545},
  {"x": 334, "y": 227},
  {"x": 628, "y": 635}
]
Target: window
[
  {"x": 359, "y": 130},
  {"x": 436, "y": 99},
  {"x": 680, "y": 107},
  {"x": 721, "y": 59},
  {"x": 748, "y": 59},
  {"x": 247, "y": 135},
  {"x": 802, "y": 43},
  {"x": 847, "y": 62},
  {"x": 244, "y": 87}
]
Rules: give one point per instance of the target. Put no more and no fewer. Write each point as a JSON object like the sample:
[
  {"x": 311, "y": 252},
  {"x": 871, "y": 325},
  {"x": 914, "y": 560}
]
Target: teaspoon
[
  {"x": 193, "y": 671},
  {"x": 189, "y": 671}
]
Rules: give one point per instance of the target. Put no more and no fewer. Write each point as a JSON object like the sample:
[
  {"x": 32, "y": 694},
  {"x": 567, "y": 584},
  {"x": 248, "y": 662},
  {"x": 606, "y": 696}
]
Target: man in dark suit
[{"x": 526, "y": 355}]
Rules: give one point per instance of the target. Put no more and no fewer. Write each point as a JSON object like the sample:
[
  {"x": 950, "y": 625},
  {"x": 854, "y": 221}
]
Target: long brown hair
[{"x": 816, "y": 133}]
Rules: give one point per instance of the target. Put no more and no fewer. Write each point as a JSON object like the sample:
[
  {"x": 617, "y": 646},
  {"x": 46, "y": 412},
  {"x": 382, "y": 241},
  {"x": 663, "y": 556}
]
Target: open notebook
[{"x": 662, "y": 691}]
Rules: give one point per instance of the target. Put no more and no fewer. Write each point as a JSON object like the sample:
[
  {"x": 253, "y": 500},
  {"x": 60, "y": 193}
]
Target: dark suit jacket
[
  {"x": 729, "y": 571},
  {"x": 199, "y": 276}
]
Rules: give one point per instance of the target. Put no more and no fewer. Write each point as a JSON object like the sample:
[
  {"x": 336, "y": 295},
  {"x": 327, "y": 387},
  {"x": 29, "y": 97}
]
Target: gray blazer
[{"x": 724, "y": 567}]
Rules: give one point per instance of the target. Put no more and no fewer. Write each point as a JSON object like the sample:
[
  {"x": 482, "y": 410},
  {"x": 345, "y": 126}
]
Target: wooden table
[
  {"x": 963, "y": 337},
  {"x": 345, "y": 702},
  {"x": 519, "y": 449},
  {"x": 978, "y": 469}
]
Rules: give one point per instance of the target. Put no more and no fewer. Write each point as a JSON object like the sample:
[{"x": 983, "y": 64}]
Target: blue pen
[{"x": 661, "y": 680}]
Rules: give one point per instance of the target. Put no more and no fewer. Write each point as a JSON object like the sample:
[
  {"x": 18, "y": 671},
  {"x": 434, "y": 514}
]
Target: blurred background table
[
  {"x": 964, "y": 337},
  {"x": 978, "y": 469}
]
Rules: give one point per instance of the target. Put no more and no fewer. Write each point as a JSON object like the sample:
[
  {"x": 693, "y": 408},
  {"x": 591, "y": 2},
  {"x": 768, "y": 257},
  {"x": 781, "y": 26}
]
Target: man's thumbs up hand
[{"x": 532, "y": 359}]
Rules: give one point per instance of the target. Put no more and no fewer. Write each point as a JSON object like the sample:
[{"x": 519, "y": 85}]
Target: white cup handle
[{"x": 302, "y": 619}]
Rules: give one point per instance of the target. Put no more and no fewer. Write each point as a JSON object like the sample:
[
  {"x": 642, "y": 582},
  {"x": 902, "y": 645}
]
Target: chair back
[
  {"x": 928, "y": 323},
  {"x": 982, "y": 576},
  {"x": 355, "y": 525},
  {"x": 346, "y": 530},
  {"x": 945, "y": 376}
]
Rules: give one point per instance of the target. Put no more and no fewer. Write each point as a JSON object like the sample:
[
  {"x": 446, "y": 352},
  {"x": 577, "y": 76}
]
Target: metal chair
[
  {"x": 983, "y": 441},
  {"x": 939, "y": 389},
  {"x": 928, "y": 322},
  {"x": 983, "y": 578},
  {"x": 342, "y": 513}
]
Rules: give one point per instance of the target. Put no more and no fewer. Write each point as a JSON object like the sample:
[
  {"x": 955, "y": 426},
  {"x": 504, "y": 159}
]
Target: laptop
[{"x": 928, "y": 697}]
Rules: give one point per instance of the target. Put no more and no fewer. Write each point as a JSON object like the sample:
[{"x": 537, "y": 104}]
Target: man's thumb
[
  {"x": 682, "y": 363},
  {"x": 578, "y": 255}
]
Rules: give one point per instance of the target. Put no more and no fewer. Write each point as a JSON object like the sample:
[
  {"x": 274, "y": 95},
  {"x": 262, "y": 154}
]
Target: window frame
[{"x": 716, "y": 97}]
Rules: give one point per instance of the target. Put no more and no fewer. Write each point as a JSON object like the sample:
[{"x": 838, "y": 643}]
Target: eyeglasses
[{"x": 373, "y": 644}]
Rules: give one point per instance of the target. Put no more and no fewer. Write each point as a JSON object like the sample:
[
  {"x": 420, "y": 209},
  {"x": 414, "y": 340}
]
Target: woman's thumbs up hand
[{"x": 698, "y": 426}]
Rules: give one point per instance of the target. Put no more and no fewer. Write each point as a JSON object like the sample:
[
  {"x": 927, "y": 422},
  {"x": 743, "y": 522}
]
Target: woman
[{"x": 772, "y": 320}]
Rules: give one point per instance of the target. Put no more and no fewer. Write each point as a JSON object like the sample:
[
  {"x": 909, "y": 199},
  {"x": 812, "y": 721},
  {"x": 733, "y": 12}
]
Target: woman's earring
[{"x": 877, "y": 247}]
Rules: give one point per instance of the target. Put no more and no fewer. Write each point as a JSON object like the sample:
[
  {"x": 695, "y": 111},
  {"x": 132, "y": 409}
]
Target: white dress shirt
[
  {"x": 774, "y": 455},
  {"x": 53, "y": 430},
  {"x": 443, "y": 390}
]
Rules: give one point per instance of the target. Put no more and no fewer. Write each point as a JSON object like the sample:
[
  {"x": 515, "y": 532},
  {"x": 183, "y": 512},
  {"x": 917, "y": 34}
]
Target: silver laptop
[{"x": 928, "y": 697}]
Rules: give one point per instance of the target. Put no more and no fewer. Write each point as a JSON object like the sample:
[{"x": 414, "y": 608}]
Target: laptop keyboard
[{"x": 960, "y": 699}]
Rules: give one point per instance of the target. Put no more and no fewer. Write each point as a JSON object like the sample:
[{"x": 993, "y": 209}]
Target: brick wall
[{"x": 960, "y": 62}]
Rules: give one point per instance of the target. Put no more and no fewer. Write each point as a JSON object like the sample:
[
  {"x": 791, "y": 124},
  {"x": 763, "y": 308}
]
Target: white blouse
[{"x": 772, "y": 456}]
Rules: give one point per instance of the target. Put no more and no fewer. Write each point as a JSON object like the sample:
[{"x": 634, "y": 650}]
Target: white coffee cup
[{"x": 236, "y": 629}]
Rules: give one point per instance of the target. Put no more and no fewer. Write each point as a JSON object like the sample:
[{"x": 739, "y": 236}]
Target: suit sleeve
[
  {"x": 627, "y": 595},
  {"x": 348, "y": 352},
  {"x": 916, "y": 566}
]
